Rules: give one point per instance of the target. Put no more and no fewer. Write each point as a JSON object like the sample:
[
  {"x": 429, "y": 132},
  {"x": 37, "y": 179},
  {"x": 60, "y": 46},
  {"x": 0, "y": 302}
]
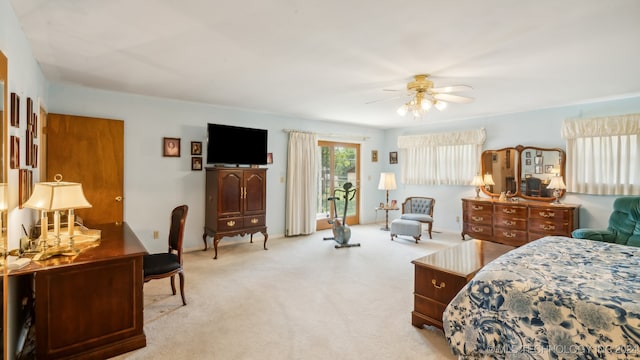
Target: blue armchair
[
  {"x": 420, "y": 209},
  {"x": 624, "y": 224}
]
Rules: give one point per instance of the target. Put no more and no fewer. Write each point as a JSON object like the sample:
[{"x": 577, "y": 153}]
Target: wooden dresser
[
  {"x": 517, "y": 223},
  {"x": 236, "y": 204}
]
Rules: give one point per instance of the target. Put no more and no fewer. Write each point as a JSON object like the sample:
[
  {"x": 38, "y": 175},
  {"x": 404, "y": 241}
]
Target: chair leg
[
  {"x": 184, "y": 302},
  {"x": 173, "y": 284},
  {"x": 430, "y": 225}
]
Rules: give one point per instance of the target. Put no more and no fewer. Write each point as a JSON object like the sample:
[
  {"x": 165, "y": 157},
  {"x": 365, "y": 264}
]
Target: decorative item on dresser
[
  {"x": 517, "y": 223},
  {"x": 236, "y": 203}
]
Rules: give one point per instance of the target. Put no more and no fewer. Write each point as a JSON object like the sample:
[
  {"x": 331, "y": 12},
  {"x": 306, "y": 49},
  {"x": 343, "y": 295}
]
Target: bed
[{"x": 553, "y": 298}]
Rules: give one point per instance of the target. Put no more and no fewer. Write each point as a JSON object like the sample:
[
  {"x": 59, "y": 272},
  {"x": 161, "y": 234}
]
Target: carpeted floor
[{"x": 301, "y": 299}]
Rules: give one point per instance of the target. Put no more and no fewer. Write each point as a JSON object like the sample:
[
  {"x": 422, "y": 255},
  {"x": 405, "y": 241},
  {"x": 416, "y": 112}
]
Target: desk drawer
[
  {"x": 229, "y": 224},
  {"x": 253, "y": 221}
]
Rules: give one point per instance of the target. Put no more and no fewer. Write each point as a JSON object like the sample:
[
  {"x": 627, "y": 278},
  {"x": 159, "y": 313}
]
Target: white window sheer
[
  {"x": 303, "y": 161},
  {"x": 440, "y": 159},
  {"x": 602, "y": 155}
]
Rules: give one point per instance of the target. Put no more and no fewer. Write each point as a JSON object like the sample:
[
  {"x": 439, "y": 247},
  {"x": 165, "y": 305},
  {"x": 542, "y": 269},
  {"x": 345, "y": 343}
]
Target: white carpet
[{"x": 301, "y": 299}]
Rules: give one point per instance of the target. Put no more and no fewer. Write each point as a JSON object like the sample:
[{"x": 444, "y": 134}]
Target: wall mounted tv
[{"x": 236, "y": 145}]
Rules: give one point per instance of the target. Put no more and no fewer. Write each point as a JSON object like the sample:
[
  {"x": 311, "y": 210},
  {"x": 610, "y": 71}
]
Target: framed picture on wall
[
  {"x": 269, "y": 158},
  {"x": 196, "y": 148},
  {"x": 14, "y": 162},
  {"x": 171, "y": 147},
  {"x": 374, "y": 155},
  {"x": 196, "y": 163},
  {"x": 15, "y": 110},
  {"x": 538, "y": 169},
  {"x": 393, "y": 157},
  {"x": 548, "y": 169},
  {"x": 527, "y": 162}
]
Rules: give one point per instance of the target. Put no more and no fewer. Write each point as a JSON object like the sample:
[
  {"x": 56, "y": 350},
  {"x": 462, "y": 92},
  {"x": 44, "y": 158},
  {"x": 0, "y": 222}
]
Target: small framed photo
[
  {"x": 14, "y": 163},
  {"x": 538, "y": 160},
  {"x": 196, "y": 163},
  {"x": 527, "y": 154},
  {"x": 269, "y": 158},
  {"x": 196, "y": 148},
  {"x": 394, "y": 203},
  {"x": 494, "y": 157},
  {"x": 15, "y": 110},
  {"x": 538, "y": 169},
  {"x": 548, "y": 169},
  {"x": 171, "y": 147},
  {"x": 393, "y": 157},
  {"x": 527, "y": 162},
  {"x": 538, "y": 152},
  {"x": 374, "y": 155}
]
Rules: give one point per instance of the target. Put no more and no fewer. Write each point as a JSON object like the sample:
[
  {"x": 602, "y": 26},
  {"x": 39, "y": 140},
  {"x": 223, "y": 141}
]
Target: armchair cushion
[
  {"x": 417, "y": 217},
  {"x": 624, "y": 224}
]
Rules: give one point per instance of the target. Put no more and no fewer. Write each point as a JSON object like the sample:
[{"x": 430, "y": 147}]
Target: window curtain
[
  {"x": 440, "y": 159},
  {"x": 602, "y": 155},
  {"x": 302, "y": 183}
]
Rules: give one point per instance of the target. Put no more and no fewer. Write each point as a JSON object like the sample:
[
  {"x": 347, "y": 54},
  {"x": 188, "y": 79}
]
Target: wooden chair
[
  {"x": 163, "y": 265},
  {"x": 419, "y": 208},
  {"x": 534, "y": 186}
]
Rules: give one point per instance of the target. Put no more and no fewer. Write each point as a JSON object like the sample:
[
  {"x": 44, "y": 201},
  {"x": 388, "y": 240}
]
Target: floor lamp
[{"x": 387, "y": 182}]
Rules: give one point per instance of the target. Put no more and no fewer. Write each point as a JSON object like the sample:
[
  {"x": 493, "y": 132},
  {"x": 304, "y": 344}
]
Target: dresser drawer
[
  {"x": 437, "y": 285},
  {"x": 478, "y": 209},
  {"x": 253, "y": 221},
  {"x": 479, "y": 231},
  {"x": 509, "y": 222},
  {"x": 510, "y": 237},
  {"x": 551, "y": 214},
  {"x": 512, "y": 211},
  {"x": 547, "y": 227},
  {"x": 229, "y": 224}
]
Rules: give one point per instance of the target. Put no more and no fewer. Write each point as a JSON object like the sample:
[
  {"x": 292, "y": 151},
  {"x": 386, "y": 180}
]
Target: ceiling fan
[{"x": 423, "y": 96}]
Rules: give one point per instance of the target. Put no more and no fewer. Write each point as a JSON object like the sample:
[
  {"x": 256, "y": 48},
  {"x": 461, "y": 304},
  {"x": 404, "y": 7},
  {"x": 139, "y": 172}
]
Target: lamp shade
[
  {"x": 477, "y": 181},
  {"x": 387, "y": 181},
  {"x": 51, "y": 196},
  {"x": 488, "y": 179},
  {"x": 556, "y": 183}
]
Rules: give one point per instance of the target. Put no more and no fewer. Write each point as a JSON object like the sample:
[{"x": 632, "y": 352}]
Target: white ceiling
[{"x": 325, "y": 59}]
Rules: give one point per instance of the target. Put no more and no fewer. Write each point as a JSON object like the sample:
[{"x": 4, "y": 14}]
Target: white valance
[
  {"x": 469, "y": 137},
  {"x": 601, "y": 126}
]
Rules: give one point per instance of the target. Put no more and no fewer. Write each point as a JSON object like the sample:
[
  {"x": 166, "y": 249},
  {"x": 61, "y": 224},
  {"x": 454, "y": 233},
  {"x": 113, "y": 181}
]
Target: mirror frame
[
  {"x": 519, "y": 176},
  {"x": 4, "y": 76}
]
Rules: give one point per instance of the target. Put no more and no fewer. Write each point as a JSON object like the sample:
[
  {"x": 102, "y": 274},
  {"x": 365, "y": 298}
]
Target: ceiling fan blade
[
  {"x": 385, "y": 99},
  {"x": 453, "y": 98},
  {"x": 390, "y": 89},
  {"x": 451, "y": 88}
]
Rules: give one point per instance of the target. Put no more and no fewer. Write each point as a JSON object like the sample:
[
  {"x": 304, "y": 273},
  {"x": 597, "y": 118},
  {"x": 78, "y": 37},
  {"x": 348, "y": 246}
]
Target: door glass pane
[{"x": 339, "y": 166}]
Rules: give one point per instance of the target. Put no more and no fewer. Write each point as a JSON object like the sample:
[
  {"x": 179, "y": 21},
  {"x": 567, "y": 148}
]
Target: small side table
[{"x": 386, "y": 215}]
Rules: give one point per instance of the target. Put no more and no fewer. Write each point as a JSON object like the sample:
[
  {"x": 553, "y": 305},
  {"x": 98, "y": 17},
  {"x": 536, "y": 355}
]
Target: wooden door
[
  {"x": 89, "y": 151},
  {"x": 255, "y": 184}
]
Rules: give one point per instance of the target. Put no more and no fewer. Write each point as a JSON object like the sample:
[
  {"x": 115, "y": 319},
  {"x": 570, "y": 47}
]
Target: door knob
[{"x": 118, "y": 198}]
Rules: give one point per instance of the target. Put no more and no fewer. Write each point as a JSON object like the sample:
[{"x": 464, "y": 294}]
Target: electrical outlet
[
  {"x": 457, "y": 219},
  {"x": 156, "y": 234}
]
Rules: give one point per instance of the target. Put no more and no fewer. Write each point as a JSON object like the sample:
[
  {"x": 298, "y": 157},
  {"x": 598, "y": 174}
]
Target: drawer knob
[
  {"x": 231, "y": 223},
  {"x": 477, "y": 207},
  {"x": 508, "y": 234},
  {"x": 508, "y": 211},
  {"x": 477, "y": 218},
  {"x": 509, "y": 222},
  {"x": 548, "y": 227},
  {"x": 476, "y": 229},
  {"x": 435, "y": 284},
  {"x": 547, "y": 214},
  {"x": 254, "y": 221}
]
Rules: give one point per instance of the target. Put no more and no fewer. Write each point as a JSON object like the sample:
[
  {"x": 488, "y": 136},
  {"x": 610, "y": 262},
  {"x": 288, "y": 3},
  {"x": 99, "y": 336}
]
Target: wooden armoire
[{"x": 236, "y": 203}]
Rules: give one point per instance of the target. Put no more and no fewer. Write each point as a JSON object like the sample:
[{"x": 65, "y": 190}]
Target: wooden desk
[
  {"x": 439, "y": 277},
  {"x": 90, "y": 306}
]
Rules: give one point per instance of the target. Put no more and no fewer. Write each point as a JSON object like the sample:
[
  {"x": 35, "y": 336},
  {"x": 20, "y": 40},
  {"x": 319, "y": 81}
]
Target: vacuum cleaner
[{"x": 341, "y": 231}]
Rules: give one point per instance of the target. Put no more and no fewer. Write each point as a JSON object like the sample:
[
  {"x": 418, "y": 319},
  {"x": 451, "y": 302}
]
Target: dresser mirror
[
  {"x": 3, "y": 188},
  {"x": 523, "y": 171}
]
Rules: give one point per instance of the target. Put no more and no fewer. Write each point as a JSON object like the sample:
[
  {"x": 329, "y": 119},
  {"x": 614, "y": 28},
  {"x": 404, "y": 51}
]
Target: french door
[{"x": 340, "y": 164}]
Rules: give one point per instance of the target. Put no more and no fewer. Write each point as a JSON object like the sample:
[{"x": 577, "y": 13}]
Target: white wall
[{"x": 155, "y": 184}]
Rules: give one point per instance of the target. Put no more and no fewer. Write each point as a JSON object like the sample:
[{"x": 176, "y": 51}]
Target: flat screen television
[{"x": 236, "y": 145}]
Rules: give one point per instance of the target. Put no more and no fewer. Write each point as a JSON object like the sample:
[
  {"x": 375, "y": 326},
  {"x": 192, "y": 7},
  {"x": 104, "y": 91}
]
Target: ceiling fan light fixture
[
  {"x": 402, "y": 110},
  {"x": 440, "y": 105},
  {"x": 426, "y": 105}
]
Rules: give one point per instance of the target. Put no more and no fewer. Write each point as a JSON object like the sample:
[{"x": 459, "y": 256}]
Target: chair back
[
  {"x": 534, "y": 186},
  {"x": 624, "y": 221},
  {"x": 176, "y": 231},
  {"x": 418, "y": 205}
]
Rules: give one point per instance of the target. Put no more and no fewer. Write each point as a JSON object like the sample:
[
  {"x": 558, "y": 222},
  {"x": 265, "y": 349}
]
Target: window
[
  {"x": 444, "y": 158},
  {"x": 602, "y": 155}
]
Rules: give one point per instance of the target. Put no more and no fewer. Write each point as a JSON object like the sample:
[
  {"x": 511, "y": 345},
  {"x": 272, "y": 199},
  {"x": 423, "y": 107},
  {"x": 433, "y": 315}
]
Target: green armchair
[{"x": 624, "y": 224}]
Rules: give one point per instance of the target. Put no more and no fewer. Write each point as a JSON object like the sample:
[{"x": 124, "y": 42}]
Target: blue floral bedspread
[{"x": 553, "y": 298}]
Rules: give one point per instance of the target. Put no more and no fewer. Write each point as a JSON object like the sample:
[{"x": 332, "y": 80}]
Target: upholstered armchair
[
  {"x": 420, "y": 209},
  {"x": 624, "y": 224}
]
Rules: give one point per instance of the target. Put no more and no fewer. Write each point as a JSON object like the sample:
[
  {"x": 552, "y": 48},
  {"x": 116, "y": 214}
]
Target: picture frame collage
[
  {"x": 25, "y": 174},
  {"x": 171, "y": 148}
]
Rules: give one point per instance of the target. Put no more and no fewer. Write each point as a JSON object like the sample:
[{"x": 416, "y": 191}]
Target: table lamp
[
  {"x": 488, "y": 181},
  {"x": 57, "y": 196},
  {"x": 387, "y": 182},
  {"x": 557, "y": 185},
  {"x": 477, "y": 182}
]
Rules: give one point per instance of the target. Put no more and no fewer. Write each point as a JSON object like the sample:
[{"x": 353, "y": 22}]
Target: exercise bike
[{"x": 341, "y": 231}]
